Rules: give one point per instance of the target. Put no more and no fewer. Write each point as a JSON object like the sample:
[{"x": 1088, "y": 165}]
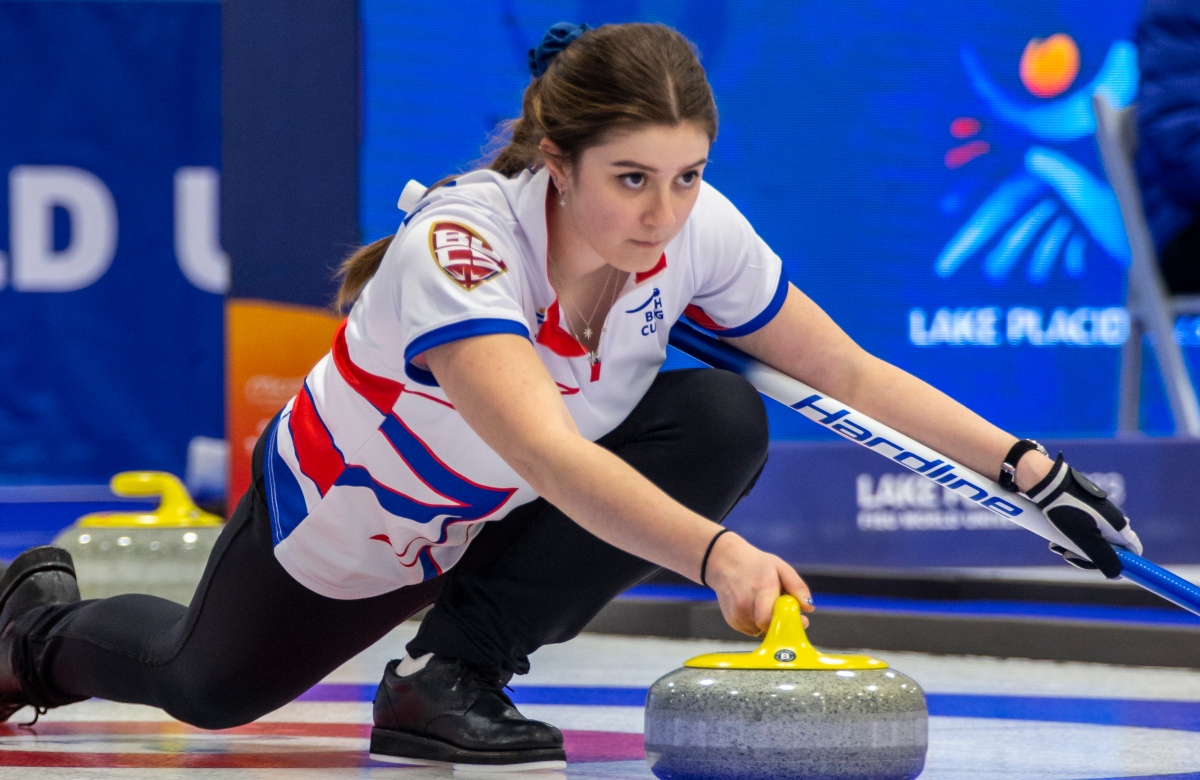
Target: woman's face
[{"x": 628, "y": 197}]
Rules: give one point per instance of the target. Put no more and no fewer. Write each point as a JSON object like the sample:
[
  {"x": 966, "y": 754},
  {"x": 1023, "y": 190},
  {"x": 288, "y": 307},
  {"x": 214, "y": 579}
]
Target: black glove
[{"x": 1083, "y": 513}]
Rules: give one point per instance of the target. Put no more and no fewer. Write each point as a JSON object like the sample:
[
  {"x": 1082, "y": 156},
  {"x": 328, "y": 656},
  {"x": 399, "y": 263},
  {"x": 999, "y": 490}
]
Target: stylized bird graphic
[{"x": 1047, "y": 210}]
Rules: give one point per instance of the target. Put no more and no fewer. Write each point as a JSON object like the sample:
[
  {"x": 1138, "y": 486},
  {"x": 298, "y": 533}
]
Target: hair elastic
[
  {"x": 708, "y": 552},
  {"x": 557, "y": 38}
]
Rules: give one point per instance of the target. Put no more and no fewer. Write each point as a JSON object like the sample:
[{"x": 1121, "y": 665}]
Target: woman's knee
[
  {"x": 214, "y": 703},
  {"x": 724, "y": 413}
]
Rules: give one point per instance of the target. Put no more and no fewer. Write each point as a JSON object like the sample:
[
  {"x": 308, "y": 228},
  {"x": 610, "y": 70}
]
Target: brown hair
[{"x": 612, "y": 78}]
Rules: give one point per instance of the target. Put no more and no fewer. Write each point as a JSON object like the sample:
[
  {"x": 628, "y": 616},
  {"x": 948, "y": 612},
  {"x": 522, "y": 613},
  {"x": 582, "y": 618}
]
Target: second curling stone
[
  {"x": 786, "y": 712},
  {"x": 162, "y": 552}
]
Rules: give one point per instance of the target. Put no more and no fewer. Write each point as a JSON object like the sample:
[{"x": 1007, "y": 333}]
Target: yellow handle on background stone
[
  {"x": 176, "y": 510},
  {"x": 785, "y": 646}
]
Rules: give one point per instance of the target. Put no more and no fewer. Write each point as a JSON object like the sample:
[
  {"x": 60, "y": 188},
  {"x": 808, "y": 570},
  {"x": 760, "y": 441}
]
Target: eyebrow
[{"x": 650, "y": 169}]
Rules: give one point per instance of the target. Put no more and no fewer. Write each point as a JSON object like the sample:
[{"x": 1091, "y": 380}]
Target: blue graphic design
[
  {"x": 1047, "y": 172},
  {"x": 120, "y": 367},
  {"x": 1069, "y": 117},
  {"x": 1047, "y": 209},
  {"x": 649, "y": 300},
  {"x": 1000, "y": 237},
  {"x": 470, "y": 501},
  {"x": 286, "y": 499}
]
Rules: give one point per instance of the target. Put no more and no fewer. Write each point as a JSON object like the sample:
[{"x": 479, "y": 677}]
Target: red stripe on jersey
[
  {"x": 379, "y": 391},
  {"x": 428, "y": 552},
  {"x": 387, "y": 540},
  {"x": 319, "y": 458},
  {"x": 428, "y": 397},
  {"x": 701, "y": 318},
  {"x": 558, "y": 340},
  {"x": 657, "y": 269}
]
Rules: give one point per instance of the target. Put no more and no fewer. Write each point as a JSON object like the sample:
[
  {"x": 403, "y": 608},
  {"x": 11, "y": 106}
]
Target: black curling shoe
[
  {"x": 38, "y": 576},
  {"x": 447, "y": 713}
]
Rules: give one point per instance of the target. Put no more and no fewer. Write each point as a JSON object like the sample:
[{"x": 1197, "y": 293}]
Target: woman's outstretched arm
[
  {"x": 803, "y": 342},
  {"x": 500, "y": 387}
]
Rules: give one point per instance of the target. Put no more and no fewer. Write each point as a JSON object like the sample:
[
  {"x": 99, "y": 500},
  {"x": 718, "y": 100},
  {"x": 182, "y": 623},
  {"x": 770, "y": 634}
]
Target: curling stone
[
  {"x": 786, "y": 711},
  {"x": 162, "y": 553}
]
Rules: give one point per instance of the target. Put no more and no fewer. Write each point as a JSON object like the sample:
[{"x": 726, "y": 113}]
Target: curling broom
[{"x": 911, "y": 454}]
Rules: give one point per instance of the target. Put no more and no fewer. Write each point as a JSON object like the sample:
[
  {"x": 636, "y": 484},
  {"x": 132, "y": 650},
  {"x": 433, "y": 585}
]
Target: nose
[{"x": 660, "y": 215}]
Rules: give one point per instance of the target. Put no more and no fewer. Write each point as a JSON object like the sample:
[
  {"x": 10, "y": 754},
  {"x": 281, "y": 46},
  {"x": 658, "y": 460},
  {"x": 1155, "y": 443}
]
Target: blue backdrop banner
[
  {"x": 111, "y": 275},
  {"x": 926, "y": 168},
  {"x": 837, "y": 504}
]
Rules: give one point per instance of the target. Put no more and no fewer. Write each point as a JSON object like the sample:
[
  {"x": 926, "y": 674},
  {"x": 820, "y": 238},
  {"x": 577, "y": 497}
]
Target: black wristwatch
[{"x": 1008, "y": 469}]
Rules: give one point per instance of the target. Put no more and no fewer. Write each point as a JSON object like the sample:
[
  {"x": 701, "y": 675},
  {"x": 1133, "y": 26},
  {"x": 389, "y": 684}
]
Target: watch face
[{"x": 1088, "y": 485}]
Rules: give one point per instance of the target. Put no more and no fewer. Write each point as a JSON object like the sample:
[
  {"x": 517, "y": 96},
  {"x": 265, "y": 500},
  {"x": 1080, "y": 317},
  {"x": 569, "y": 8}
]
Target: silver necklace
[{"x": 593, "y": 355}]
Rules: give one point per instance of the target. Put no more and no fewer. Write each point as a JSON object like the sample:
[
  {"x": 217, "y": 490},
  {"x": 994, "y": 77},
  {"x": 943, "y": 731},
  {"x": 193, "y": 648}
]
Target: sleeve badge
[{"x": 463, "y": 254}]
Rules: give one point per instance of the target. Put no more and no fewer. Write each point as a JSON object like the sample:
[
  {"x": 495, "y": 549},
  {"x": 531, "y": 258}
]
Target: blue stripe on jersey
[
  {"x": 392, "y": 502},
  {"x": 404, "y": 222},
  {"x": 474, "y": 500},
  {"x": 429, "y": 569},
  {"x": 482, "y": 326},
  {"x": 466, "y": 501},
  {"x": 285, "y": 499},
  {"x": 764, "y": 316}
]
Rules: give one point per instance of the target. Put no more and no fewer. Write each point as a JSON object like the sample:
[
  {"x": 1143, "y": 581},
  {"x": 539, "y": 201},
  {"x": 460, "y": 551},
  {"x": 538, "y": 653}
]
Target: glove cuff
[{"x": 1051, "y": 485}]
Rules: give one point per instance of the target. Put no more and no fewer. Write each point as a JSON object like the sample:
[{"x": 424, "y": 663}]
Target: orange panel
[{"x": 270, "y": 348}]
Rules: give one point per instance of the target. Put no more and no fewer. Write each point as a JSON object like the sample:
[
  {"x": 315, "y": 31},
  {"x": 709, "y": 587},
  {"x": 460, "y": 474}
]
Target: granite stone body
[
  {"x": 732, "y": 724},
  {"x": 163, "y": 562}
]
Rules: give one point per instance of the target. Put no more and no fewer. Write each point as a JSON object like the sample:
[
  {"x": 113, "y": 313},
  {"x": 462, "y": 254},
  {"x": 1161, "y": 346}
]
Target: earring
[{"x": 562, "y": 199}]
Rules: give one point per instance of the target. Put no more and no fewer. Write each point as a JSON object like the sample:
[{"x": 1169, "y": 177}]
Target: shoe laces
[{"x": 476, "y": 680}]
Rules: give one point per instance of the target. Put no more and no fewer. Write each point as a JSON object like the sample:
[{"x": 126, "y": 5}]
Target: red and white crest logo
[{"x": 463, "y": 254}]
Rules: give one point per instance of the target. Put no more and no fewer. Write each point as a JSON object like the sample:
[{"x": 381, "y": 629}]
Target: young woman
[{"x": 490, "y": 433}]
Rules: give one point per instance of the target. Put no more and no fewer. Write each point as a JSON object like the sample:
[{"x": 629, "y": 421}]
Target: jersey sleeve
[
  {"x": 452, "y": 278},
  {"x": 740, "y": 282}
]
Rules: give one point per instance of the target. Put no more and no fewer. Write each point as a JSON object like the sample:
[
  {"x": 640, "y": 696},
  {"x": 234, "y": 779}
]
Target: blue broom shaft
[
  {"x": 695, "y": 342},
  {"x": 1158, "y": 580}
]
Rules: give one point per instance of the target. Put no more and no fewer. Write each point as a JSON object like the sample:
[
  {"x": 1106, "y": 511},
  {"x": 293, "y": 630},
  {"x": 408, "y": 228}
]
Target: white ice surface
[{"x": 960, "y": 748}]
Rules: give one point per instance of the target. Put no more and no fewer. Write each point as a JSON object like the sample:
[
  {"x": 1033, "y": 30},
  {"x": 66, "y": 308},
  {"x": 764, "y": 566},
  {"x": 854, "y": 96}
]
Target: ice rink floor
[{"x": 990, "y": 719}]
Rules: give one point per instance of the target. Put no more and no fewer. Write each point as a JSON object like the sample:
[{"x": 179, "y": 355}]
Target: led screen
[{"x": 927, "y": 170}]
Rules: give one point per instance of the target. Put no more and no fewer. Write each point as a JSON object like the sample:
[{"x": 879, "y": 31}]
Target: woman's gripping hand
[{"x": 747, "y": 581}]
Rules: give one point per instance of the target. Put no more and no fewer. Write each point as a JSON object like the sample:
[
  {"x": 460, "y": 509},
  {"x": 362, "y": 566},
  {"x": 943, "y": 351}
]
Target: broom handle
[{"x": 907, "y": 452}]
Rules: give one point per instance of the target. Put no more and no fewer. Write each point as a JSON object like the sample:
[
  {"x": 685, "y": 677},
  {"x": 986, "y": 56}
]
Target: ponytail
[
  {"x": 520, "y": 139},
  {"x": 357, "y": 269}
]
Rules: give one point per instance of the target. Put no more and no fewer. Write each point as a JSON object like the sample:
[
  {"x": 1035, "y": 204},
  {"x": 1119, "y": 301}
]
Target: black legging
[{"x": 254, "y": 639}]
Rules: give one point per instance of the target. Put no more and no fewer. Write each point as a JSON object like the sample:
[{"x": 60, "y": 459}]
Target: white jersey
[{"x": 373, "y": 480}]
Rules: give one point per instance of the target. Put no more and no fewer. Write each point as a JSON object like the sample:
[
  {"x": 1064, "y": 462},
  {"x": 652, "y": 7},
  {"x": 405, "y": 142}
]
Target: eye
[
  {"x": 689, "y": 178},
  {"x": 633, "y": 181}
]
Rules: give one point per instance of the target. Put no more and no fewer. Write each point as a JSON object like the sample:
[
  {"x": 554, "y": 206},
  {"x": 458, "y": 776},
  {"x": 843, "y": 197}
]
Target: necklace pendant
[{"x": 587, "y": 332}]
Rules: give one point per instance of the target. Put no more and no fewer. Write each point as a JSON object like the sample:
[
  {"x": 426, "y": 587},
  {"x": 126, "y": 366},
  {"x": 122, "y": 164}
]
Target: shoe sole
[
  {"x": 30, "y": 562},
  {"x": 398, "y": 747}
]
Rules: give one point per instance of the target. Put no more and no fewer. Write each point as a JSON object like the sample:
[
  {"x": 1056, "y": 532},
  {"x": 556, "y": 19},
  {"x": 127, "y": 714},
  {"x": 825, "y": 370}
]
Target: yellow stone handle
[
  {"x": 785, "y": 646},
  {"x": 176, "y": 510}
]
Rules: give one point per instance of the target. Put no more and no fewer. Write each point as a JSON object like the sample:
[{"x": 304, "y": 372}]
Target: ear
[{"x": 556, "y": 161}]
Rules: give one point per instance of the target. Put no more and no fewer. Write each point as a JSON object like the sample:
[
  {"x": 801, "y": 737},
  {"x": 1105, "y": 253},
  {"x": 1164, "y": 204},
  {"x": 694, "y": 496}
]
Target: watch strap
[{"x": 1008, "y": 469}]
